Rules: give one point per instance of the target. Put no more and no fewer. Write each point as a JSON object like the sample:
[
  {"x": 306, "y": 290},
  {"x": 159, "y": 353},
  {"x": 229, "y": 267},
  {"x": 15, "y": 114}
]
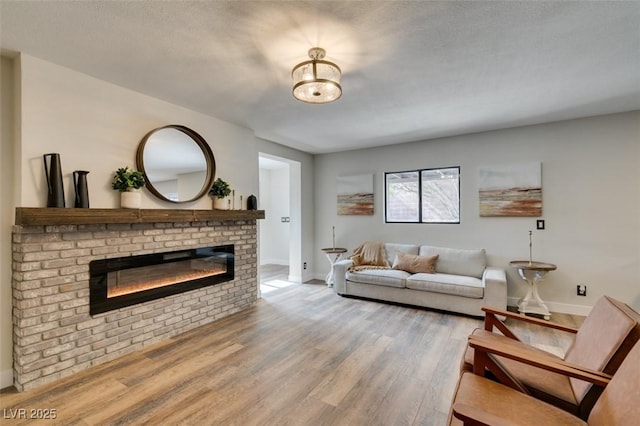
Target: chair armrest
[
  {"x": 339, "y": 275},
  {"x": 492, "y": 312},
  {"x": 485, "y": 350},
  {"x": 473, "y": 416}
]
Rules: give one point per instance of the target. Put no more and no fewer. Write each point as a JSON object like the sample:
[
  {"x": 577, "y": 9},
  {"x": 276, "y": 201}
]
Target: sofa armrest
[
  {"x": 495, "y": 287},
  {"x": 340, "y": 275}
]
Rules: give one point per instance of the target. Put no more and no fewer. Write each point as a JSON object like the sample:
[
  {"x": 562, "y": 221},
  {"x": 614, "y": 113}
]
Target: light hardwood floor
[
  {"x": 302, "y": 356},
  {"x": 273, "y": 277}
]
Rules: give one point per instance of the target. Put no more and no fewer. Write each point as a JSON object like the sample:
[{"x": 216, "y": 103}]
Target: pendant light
[{"x": 316, "y": 81}]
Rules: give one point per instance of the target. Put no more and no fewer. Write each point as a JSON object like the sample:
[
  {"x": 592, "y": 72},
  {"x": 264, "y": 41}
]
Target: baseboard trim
[
  {"x": 307, "y": 276},
  {"x": 319, "y": 276},
  {"x": 6, "y": 379},
  {"x": 299, "y": 278},
  {"x": 562, "y": 308}
]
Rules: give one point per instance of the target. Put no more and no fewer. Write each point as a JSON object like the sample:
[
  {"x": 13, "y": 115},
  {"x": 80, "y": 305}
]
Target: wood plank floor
[{"x": 302, "y": 356}]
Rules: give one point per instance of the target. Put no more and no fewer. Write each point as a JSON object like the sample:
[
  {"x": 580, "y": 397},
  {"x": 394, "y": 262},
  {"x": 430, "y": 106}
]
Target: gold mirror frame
[{"x": 202, "y": 144}]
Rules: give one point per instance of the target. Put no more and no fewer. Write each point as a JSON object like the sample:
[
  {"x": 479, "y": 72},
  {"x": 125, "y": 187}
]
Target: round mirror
[{"x": 177, "y": 163}]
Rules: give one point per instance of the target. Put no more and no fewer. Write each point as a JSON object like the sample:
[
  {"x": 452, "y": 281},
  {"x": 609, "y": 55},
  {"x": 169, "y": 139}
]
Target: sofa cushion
[
  {"x": 415, "y": 264},
  {"x": 392, "y": 249},
  {"x": 384, "y": 277},
  {"x": 471, "y": 263},
  {"x": 456, "y": 285}
]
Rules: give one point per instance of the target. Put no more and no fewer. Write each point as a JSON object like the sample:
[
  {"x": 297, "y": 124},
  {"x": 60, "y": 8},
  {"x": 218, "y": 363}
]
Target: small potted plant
[
  {"x": 128, "y": 182},
  {"x": 219, "y": 191}
]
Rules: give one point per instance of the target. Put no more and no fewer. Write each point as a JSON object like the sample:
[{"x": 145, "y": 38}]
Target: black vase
[
  {"x": 252, "y": 202},
  {"x": 53, "y": 173},
  {"x": 82, "y": 190}
]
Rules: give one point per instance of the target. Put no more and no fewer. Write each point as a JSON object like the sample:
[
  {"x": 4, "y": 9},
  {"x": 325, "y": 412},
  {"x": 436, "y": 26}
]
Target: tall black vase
[
  {"x": 53, "y": 173},
  {"x": 82, "y": 190},
  {"x": 252, "y": 202}
]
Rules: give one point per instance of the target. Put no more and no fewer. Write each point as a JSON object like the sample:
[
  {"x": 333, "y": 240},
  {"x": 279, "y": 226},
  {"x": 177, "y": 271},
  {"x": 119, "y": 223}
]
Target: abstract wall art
[
  {"x": 511, "y": 190},
  {"x": 355, "y": 195}
]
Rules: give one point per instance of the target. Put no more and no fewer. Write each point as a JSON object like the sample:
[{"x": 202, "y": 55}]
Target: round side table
[
  {"x": 532, "y": 273},
  {"x": 333, "y": 255}
]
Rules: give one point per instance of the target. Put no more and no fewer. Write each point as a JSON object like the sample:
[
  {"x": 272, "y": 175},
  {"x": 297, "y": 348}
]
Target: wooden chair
[
  {"x": 480, "y": 401},
  {"x": 602, "y": 342}
]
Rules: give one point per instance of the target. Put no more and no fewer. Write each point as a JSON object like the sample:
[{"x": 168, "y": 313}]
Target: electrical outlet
[
  {"x": 304, "y": 265},
  {"x": 581, "y": 290}
]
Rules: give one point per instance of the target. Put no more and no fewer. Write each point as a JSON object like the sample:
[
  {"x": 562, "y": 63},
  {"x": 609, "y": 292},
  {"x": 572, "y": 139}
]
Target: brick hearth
[{"x": 54, "y": 335}]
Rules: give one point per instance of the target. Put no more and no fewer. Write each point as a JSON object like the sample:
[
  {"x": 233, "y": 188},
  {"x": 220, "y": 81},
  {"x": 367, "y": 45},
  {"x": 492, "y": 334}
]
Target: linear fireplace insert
[{"x": 124, "y": 281}]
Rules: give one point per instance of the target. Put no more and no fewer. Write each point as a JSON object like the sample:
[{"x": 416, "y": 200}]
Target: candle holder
[{"x": 333, "y": 228}]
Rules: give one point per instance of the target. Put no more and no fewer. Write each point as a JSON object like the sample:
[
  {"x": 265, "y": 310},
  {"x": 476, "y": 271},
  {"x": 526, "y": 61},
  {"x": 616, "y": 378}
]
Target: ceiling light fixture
[{"x": 316, "y": 81}]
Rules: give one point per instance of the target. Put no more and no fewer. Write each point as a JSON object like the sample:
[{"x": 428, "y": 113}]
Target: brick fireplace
[{"x": 55, "y": 335}]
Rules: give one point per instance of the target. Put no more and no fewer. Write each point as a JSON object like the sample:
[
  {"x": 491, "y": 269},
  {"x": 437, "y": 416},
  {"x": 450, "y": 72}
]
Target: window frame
[{"x": 420, "y": 196}]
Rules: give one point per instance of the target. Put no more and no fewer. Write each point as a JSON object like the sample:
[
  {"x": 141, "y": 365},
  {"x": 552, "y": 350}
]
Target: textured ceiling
[{"x": 412, "y": 70}]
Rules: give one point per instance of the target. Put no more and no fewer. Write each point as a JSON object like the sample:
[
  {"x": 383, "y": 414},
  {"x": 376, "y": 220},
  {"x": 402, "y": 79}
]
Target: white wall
[
  {"x": 274, "y": 234},
  {"x": 7, "y": 209},
  {"x": 96, "y": 126},
  {"x": 591, "y": 204}
]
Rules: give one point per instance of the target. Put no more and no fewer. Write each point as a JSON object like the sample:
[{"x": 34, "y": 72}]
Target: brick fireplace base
[{"x": 54, "y": 335}]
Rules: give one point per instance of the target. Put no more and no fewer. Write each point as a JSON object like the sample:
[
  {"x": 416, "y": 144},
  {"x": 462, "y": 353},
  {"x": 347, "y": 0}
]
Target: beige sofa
[{"x": 462, "y": 281}]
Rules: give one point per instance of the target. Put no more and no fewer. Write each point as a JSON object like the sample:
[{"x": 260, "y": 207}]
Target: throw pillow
[{"x": 415, "y": 264}]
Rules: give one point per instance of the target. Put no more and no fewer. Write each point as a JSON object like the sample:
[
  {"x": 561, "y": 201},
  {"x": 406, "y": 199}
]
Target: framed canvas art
[
  {"x": 511, "y": 190},
  {"x": 355, "y": 195}
]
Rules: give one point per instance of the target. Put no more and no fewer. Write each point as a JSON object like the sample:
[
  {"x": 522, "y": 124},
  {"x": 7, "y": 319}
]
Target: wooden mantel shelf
[{"x": 73, "y": 216}]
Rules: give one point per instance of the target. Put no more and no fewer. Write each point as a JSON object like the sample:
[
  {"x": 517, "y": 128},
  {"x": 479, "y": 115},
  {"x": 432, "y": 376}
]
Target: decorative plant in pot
[
  {"x": 219, "y": 191},
  {"x": 128, "y": 182}
]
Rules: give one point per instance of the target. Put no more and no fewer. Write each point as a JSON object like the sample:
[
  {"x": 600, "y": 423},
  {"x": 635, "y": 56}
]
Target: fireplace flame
[{"x": 134, "y": 280}]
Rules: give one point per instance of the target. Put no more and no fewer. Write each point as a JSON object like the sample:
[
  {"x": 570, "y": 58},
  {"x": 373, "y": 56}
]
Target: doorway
[{"x": 280, "y": 233}]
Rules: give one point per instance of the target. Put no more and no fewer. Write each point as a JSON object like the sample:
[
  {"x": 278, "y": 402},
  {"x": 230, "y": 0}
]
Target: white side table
[
  {"x": 532, "y": 273},
  {"x": 333, "y": 255}
]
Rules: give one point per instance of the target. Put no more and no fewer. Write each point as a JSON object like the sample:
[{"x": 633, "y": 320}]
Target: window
[{"x": 423, "y": 196}]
